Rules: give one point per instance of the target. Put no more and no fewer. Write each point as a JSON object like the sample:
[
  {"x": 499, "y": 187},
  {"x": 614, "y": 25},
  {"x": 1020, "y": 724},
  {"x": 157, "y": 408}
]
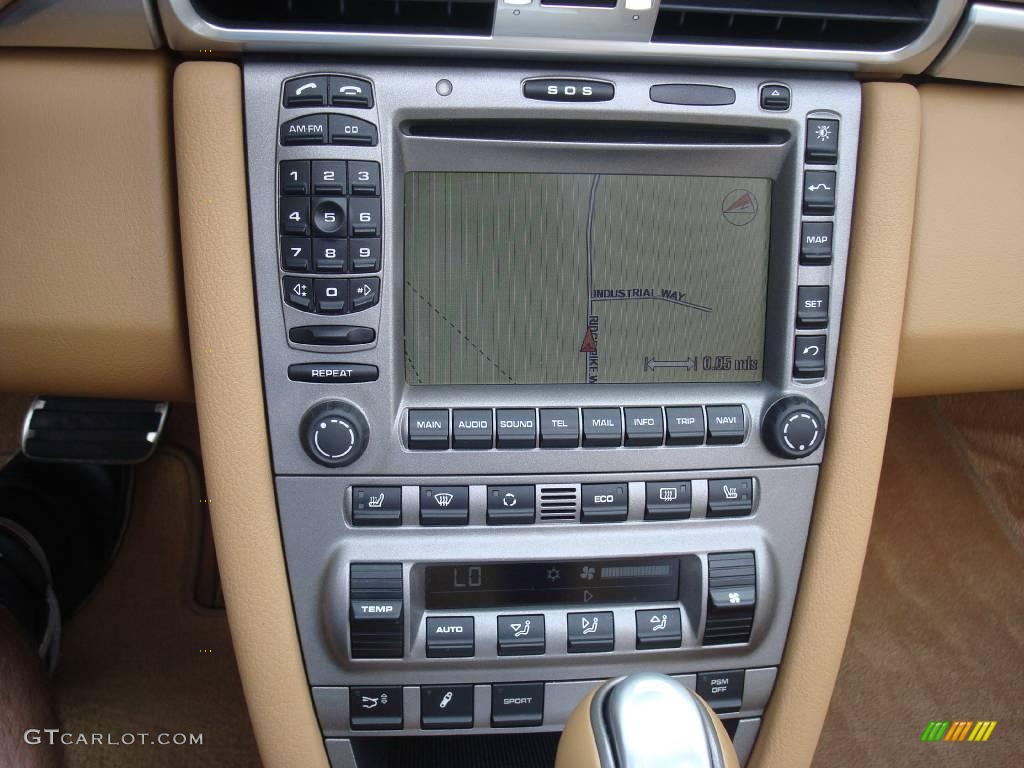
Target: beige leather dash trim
[
  {"x": 229, "y": 399},
  {"x": 872, "y": 315},
  {"x": 963, "y": 328},
  {"x": 90, "y": 281}
]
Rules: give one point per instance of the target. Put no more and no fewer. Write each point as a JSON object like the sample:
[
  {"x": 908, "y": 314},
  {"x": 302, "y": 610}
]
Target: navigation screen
[{"x": 535, "y": 278}]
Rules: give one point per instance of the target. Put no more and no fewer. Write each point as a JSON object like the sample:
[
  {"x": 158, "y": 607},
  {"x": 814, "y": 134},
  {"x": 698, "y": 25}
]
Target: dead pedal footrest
[{"x": 80, "y": 429}]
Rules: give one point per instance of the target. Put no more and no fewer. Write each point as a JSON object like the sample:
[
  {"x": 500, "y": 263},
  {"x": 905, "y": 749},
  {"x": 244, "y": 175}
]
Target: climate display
[{"x": 558, "y": 583}]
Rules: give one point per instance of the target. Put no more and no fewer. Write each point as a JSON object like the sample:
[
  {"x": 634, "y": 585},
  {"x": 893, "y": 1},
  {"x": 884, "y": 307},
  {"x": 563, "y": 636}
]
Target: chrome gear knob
[{"x": 645, "y": 721}]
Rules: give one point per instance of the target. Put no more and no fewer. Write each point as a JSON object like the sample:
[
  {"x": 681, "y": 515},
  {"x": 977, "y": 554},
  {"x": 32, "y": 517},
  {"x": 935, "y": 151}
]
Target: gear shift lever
[{"x": 645, "y": 721}]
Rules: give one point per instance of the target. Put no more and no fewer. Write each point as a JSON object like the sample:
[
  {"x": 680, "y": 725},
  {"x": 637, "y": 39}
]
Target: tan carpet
[
  {"x": 938, "y": 631},
  {"x": 140, "y": 657}
]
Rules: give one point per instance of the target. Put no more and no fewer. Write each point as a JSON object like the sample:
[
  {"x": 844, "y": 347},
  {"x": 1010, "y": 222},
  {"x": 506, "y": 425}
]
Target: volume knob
[
  {"x": 793, "y": 427},
  {"x": 334, "y": 433}
]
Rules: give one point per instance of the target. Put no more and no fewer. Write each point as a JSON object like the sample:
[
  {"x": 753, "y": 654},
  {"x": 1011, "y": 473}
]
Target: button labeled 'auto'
[{"x": 450, "y": 637}]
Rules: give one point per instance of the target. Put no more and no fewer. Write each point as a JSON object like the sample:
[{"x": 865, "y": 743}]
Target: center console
[{"x": 548, "y": 358}]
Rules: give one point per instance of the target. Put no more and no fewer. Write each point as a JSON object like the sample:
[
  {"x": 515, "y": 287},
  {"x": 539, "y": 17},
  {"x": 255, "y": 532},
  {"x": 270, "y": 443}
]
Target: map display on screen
[{"x": 533, "y": 278}]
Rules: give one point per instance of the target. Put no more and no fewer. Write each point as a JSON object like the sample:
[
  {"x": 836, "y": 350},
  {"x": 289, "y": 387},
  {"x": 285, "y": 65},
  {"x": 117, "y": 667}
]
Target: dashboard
[
  {"x": 542, "y": 345},
  {"x": 547, "y": 387}
]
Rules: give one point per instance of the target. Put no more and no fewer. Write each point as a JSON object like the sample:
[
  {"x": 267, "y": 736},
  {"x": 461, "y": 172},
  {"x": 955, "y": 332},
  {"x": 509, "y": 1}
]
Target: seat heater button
[
  {"x": 377, "y": 505},
  {"x": 730, "y": 497}
]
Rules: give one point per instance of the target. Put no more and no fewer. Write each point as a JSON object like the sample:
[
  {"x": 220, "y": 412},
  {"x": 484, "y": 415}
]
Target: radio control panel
[{"x": 548, "y": 377}]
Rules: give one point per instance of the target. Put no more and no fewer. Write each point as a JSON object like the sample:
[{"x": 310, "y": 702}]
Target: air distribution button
[
  {"x": 793, "y": 427},
  {"x": 334, "y": 433}
]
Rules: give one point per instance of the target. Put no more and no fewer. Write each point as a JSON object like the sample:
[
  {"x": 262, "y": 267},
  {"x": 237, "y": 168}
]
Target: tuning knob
[
  {"x": 793, "y": 427},
  {"x": 334, "y": 433}
]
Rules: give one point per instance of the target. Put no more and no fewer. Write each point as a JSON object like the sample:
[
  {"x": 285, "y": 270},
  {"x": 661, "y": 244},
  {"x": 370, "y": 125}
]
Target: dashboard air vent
[
  {"x": 848, "y": 24},
  {"x": 559, "y": 503},
  {"x": 437, "y": 17}
]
